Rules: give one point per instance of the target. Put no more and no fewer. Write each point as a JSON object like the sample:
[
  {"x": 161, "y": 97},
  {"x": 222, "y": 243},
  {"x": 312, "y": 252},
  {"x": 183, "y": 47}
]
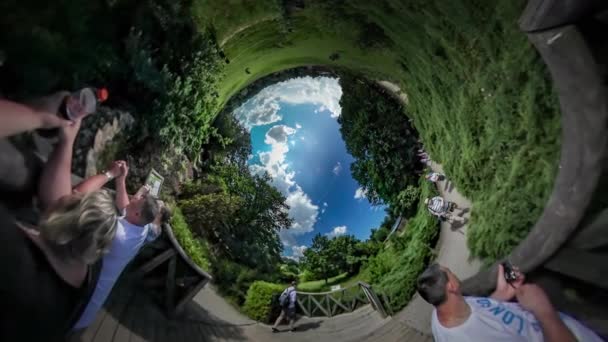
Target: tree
[
  {"x": 329, "y": 257},
  {"x": 317, "y": 259},
  {"x": 378, "y": 135},
  {"x": 240, "y": 214}
]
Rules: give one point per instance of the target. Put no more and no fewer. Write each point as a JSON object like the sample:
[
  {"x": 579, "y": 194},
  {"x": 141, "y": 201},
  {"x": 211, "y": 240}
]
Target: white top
[
  {"x": 126, "y": 244},
  {"x": 495, "y": 321},
  {"x": 434, "y": 176}
]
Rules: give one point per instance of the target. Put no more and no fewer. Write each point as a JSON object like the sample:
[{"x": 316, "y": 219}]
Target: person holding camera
[
  {"x": 50, "y": 262},
  {"x": 459, "y": 318}
]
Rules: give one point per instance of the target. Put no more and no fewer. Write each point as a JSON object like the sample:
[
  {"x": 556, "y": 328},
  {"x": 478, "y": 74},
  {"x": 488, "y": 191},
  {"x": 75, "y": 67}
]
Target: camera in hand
[{"x": 510, "y": 274}]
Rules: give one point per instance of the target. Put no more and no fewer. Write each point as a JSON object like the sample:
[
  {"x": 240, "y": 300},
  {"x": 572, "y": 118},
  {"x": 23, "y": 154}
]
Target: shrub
[
  {"x": 195, "y": 247},
  {"x": 395, "y": 269},
  {"x": 261, "y": 303},
  {"x": 233, "y": 279},
  {"x": 306, "y": 276}
]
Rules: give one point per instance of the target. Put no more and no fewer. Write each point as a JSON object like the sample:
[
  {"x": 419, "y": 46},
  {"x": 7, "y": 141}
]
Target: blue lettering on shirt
[
  {"x": 507, "y": 316},
  {"x": 485, "y": 303},
  {"x": 497, "y": 310}
]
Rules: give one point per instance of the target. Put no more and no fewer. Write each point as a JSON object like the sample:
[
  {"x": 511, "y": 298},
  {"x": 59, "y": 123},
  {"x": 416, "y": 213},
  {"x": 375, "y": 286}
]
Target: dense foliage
[
  {"x": 240, "y": 214},
  {"x": 151, "y": 55},
  {"x": 261, "y": 303},
  {"x": 395, "y": 268},
  {"x": 377, "y": 134},
  {"x": 196, "y": 247}
]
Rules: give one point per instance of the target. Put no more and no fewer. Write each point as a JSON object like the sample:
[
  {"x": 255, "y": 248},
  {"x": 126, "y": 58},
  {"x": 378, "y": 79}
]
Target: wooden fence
[
  {"x": 341, "y": 301},
  {"x": 178, "y": 282}
]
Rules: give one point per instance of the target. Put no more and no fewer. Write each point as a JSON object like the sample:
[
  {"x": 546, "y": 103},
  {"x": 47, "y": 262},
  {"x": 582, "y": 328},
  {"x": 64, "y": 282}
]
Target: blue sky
[{"x": 296, "y": 139}]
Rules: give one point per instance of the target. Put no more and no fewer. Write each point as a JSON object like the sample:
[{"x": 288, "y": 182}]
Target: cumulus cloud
[
  {"x": 303, "y": 212},
  {"x": 297, "y": 252},
  {"x": 360, "y": 193},
  {"x": 278, "y": 134},
  {"x": 337, "y": 231},
  {"x": 263, "y": 108},
  {"x": 301, "y": 209},
  {"x": 337, "y": 169},
  {"x": 325, "y": 204}
]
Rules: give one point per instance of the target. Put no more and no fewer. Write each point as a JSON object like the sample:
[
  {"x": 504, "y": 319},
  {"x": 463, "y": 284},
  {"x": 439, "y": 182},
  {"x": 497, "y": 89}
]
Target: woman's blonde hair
[{"x": 82, "y": 226}]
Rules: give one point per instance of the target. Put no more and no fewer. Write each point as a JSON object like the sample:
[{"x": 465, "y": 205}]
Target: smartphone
[
  {"x": 510, "y": 274},
  {"x": 154, "y": 181}
]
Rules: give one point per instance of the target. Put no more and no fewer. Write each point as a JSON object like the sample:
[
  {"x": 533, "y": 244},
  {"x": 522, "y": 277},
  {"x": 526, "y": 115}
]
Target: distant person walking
[
  {"x": 435, "y": 177},
  {"x": 441, "y": 208},
  {"x": 287, "y": 300}
]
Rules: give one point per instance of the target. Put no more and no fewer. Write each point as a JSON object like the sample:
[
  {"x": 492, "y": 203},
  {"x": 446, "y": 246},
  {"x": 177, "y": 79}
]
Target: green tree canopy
[
  {"x": 329, "y": 257},
  {"x": 240, "y": 214},
  {"x": 378, "y": 135}
]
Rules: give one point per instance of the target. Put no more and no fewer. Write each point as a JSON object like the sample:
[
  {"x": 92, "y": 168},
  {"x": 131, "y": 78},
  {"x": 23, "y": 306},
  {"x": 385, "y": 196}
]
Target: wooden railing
[
  {"x": 341, "y": 301},
  {"x": 179, "y": 281}
]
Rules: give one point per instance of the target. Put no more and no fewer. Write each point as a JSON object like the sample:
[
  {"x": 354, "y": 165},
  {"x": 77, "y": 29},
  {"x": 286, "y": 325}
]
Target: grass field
[
  {"x": 479, "y": 95},
  {"x": 320, "y": 285}
]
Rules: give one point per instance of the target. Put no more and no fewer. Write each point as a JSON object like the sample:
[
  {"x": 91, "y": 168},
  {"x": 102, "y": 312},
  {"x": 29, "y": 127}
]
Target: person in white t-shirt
[{"x": 458, "y": 318}]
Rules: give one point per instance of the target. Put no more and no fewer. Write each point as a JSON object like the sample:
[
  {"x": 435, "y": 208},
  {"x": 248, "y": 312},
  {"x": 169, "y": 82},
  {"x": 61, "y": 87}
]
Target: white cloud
[
  {"x": 360, "y": 193},
  {"x": 303, "y": 212},
  {"x": 263, "y": 108},
  {"x": 325, "y": 204},
  {"x": 278, "y": 134},
  {"x": 297, "y": 252},
  {"x": 337, "y": 231},
  {"x": 337, "y": 169},
  {"x": 301, "y": 209}
]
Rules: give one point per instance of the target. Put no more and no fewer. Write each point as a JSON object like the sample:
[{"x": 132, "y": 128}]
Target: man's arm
[
  {"x": 504, "y": 291},
  {"x": 554, "y": 329},
  {"x": 16, "y": 118},
  {"x": 96, "y": 182},
  {"x": 122, "y": 197},
  {"x": 533, "y": 298}
]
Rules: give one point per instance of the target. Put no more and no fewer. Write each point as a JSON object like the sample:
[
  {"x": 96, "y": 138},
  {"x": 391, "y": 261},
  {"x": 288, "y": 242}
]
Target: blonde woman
[{"x": 49, "y": 267}]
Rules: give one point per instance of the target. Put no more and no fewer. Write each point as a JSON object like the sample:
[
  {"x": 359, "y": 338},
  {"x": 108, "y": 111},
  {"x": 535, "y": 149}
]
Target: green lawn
[
  {"x": 320, "y": 285},
  {"x": 479, "y": 95}
]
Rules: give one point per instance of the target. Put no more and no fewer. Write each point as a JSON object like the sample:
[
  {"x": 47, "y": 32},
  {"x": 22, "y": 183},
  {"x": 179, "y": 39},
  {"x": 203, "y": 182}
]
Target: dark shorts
[{"x": 290, "y": 312}]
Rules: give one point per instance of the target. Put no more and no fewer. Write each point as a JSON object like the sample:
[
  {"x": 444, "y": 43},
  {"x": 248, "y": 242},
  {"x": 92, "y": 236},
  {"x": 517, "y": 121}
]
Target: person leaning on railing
[{"x": 50, "y": 265}]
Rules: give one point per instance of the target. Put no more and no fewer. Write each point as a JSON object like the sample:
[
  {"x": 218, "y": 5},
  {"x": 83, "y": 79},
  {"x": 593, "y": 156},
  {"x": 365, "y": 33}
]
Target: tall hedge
[{"x": 261, "y": 303}]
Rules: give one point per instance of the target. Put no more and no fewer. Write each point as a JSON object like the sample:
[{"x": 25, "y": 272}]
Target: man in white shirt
[
  {"x": 458, "y": 318},
  {"x": 142, "y": 213}
]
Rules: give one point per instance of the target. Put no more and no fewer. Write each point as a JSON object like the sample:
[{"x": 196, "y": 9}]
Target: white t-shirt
[
  {"x": 126, "y": 244},
  {"x": 494, "y": 321}
]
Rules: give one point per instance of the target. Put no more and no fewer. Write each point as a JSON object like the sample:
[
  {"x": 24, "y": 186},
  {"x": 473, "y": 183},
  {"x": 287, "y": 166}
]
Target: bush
[
  {"x": 261, "y": 303},
  {"x": 233, "y": 279},
  {"x": 195, "y": 247},
  {"x": 395, "y": 269}
]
